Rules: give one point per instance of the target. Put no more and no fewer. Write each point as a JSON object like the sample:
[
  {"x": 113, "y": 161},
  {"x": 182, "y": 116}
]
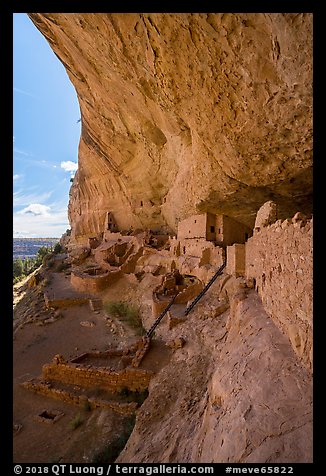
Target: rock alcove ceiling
[{"x": 186, "y": 113}]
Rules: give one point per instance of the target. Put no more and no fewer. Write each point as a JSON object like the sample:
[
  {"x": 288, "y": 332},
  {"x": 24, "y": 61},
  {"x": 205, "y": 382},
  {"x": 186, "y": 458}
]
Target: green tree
[
  {"x": 27, "y": 265},
  {"x": 57, "y": 248},
  {"x": 43, "y": 251},
  {"x": 18, "y": 268}
]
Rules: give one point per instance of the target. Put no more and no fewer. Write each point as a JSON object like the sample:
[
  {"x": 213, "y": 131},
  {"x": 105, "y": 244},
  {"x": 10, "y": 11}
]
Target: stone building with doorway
[{"x": 220, "y": 229}]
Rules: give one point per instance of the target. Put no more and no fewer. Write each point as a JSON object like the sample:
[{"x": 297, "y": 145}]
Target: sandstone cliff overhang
[{"x": 187, "y": 113}]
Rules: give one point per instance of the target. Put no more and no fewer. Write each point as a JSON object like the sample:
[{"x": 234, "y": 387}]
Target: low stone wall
[
  {"x": 86, "y": 283},
  {"x": 164, "y": 292},
  {"x": 158, "y": 305},
  {"x": 135, "y": 353},
  {"x": 88, "y": 376},
  {"x": 143, "y": 348},
  {"x": 279, "y": 259},
  {"x": 45, "y": 389},
  {"x": 52, "y": 301},
  {"x": 190, "y": 292}
]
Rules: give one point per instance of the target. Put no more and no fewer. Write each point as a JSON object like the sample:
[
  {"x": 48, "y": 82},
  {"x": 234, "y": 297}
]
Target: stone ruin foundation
[
  {"x": 80, "y": 373},
  {"x": 93, "y": 279},
  {"x": 187, "y": 287}
]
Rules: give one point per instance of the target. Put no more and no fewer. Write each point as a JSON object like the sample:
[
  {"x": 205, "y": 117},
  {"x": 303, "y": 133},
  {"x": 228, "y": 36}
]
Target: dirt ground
[{"x": 39, "y": 335}]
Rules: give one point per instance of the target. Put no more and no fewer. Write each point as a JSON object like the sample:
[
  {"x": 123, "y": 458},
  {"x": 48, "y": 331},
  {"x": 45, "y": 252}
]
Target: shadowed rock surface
[{"x": 187, "y": 113}]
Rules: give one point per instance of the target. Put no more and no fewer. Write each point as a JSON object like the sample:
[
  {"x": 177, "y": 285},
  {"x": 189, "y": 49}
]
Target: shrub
[
  {"x": 43, "y": 251},
  {"x": 18, "y": 278},
  {"x": 50, "y": 263},
  {"x": 76, "y": 421},
  {"x": 57, "y": 248},
  {"x": 18, "y": 267},
  {"x": 127, "y": 313},
  {"x": 110, "y": 453},
  {"x": 62, "y": 266}
]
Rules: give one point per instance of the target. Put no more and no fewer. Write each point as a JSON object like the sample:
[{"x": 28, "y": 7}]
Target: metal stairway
[
  {"x": 205, "y": 289},
  {"x": 160, "y": 317},
  {"x": 149, "y": 333}
]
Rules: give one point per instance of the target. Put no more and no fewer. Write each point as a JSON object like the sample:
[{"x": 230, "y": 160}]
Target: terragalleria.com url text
[{"x": 60, "y": 469}]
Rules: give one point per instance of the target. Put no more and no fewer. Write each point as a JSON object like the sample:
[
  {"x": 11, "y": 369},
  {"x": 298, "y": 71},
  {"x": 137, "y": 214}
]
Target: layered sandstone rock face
[
  {"x": 234, "y": 392},
  {"x": 187, "y": 113}
]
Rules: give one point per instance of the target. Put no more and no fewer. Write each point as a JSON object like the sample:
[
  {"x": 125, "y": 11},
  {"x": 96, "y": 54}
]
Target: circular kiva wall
[
  {"x": 188, "y": 289},
  {"x": 94, "y": 279}
]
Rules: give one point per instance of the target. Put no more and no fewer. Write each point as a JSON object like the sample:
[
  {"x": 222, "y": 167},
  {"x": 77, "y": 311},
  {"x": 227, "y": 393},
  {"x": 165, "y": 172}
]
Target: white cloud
[
  {"x": 21, "y": 152},
  {"x": 35, "y": 209},
  {"x": 16, "y": 177},
  {"x": 26, "y": 93},
  {"x": 25, "y": 197},
  {"x": 69, "y": 166},
  {"x": 20, "y": 155},
  {"x": 52, "y": 224}
]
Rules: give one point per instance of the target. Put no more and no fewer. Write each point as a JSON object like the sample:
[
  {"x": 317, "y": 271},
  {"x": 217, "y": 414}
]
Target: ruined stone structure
[
  {"x": 79, "y": 373},
  {"x": 199, "y": 247},
  {"x": 46, "y": 389},
  {"x": 220, "y": 229},
  {"x": 115, "y": 255},
  {"x": 279, "y": 258},
  {"x": 236, "y": 260},
  {"x": 205, "y": 251},
  {"x": 274, "y": 256},
  {"x": 185, "y": 287},
  {"x": 93, "y": 279},
  {"x": 52, "y": 301},
  {"x": 110, "y": 223},
  {"x": 87, "y": 376}
]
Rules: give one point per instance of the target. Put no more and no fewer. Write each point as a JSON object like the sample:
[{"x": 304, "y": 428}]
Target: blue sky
[{"x": 46, "y": 135}]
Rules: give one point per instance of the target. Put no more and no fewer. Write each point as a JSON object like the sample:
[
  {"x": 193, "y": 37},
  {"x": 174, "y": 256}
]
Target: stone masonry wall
[
  {"x": 192, "y": 227},
  {"x": 83, "y": 282},
  {"x": 68, "y": 397},
  {"x": 52, "y": 301},
  {"x": 279, "y": 258},
  {"x": 236, "y": 261},
  {"x": 87, "y": 376},
  {"x": 231, "y": 231}
]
